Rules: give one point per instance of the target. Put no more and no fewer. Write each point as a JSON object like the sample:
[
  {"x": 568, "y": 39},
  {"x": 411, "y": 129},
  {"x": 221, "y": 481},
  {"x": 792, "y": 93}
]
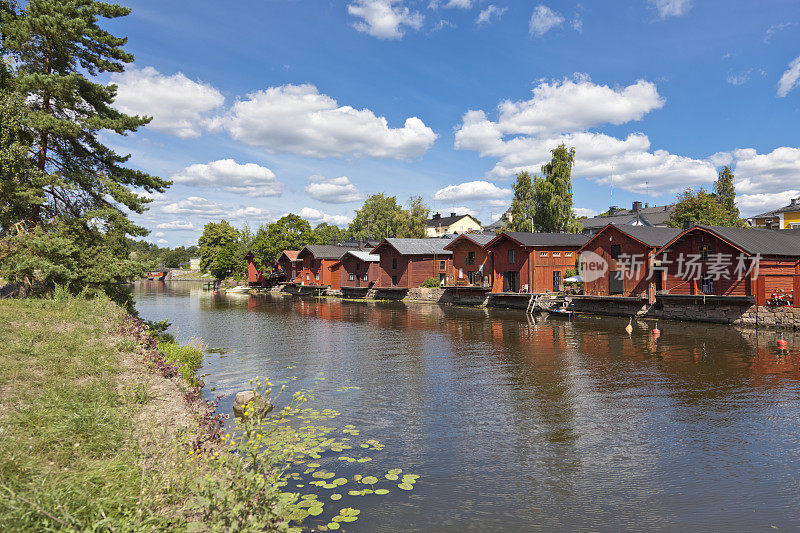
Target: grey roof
[
  {"x": 481, "y": 239},
  {"x": 419, "y": 246},
  {"x": 363, "y": 256},
  {"x": 547, "y": 239},
  {"x": 445, "y": 221},
  {"x": 657, "y": 215},
  {"x": 325, "y": 251},
  {"x": 760, "y": 241},
  {"x": 655, "y": 237},
  {"x": 791, "y": 208}
]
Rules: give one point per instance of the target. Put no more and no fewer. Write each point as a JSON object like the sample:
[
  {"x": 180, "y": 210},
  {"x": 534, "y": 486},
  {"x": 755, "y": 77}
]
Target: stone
[{"x": 260, "y": 404}]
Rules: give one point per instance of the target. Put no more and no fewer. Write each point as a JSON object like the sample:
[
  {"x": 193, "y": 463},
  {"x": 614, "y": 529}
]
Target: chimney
[
  {"x": 612, "y": 211},
  {"x": 436, "y": 216},
  {"x": 646, "y": 205},
  {"x": 453, "y": 215},
  {"x": 688, "y": 224},
  {"x": 794, "y": 202},
  {"x": 637, "y": 206}
]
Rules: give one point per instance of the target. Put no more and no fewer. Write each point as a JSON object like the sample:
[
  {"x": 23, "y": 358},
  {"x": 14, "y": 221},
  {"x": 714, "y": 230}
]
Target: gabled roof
[
  {"x": 657, "y": 216},
  {"x": 416, "y": 246},
  {"x": 291, "y": 255},
  {"x": 791, "y": 208},
  {"x": 542, "y": 239},
  {"x": 445, "y": 221},
  {"x": 752, "y": 240},
  {"x": 654, "y": 237},
  {"x": 481, "y": 239},
  {"x": 324, "y": 251},
  {"x": 363, "y": 256}
]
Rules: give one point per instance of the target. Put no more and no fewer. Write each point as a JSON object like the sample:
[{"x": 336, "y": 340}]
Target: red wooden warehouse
[
  {"x": 357, "y": 269},
  {"x": 532, "y": 262},
  {"x": 254, "y": 275},
  {"x": 628, "y": 251},
  {"x": 471, "y": 261},
  {"x": 760, "y": 264},
  {"x": 406, "y": 263},
  {"x": 317, "y": 261},
  {"x": 290, "y": 264}
]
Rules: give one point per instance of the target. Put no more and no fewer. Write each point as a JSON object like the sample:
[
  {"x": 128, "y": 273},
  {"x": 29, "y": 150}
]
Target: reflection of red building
[
  {"x": 407, "y": 263},
  {"x": 356, "y": 268},
  {"x": 628, "y": 251},
  {"x": 532, "y": 262},
  {"x": 471, "y": 262},
  {"x": 290, "y": 264},
  {"x": 721, "y": 261}
]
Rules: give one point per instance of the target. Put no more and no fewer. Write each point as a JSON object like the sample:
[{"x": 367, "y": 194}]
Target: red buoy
[
  {"x": 215, "y": 293},
  {"x": 782, "y": 344}
]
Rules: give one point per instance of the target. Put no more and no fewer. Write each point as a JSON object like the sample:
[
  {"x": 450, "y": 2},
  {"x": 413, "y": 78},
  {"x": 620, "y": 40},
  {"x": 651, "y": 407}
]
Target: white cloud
[
  {"x": 461, "y": 210},
  {"x": 753, "y": 204},
  {"x": 384, "y": 19},
  {"x": 158, "y": 234},
  {"x": 790, "y": 79},
  {"x": 584, "y": 212},
  {"x": 177, "y": 225},
  {"x": 226, "y": 174},
  {"x": 739, "y": 79},
  {"x": 492, "y": 12},
  {"x": 774, "y": 172},
  {"x": 162, "y": 241},
  {"x": 316, "y": 217},
  {"x": 775, "y": 29},
  {"x": 299, "y": 120},
  {"x": 333, "y": 191},
  {"x": 463, "y": 4},
  {"x": 543, "y": 20},
  {"x": 248, "y": 213},
  {"x": 471, "y": 190},
  {"x": 177, "y": 104},
  {"x": 194, "y": 205},
  {"x": 577, "y": 23},
  {"x": 671, "y": 8}
]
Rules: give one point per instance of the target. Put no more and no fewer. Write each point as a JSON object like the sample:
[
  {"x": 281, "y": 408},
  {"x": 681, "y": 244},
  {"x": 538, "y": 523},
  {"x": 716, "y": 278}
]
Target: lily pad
[
  {"x": 391, "y": 477},
  {"x": 339, "y": 481},
  {"x": 336, "y": 497},
  {"x": 381, "y": 492},
  {"x": 334, "y": 525},
  {"x": 315, "y": 511},
  {"x": 405, "y": 486},
  {"x": 393, "y": 470},
  {"x": 369, "y": 480}
]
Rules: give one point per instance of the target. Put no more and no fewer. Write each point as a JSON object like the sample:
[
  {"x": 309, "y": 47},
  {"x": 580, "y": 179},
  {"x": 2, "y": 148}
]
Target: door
[
  {"x": 511, "y": 281},
  {"x": 615, "y": 281},
  {"x": 556, "y": 281},
  {"x": 659, "y": 282}
]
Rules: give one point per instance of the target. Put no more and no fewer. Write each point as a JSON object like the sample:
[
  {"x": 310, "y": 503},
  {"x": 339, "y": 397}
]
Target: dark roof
[
  {"x": 758, "y": 241},
  {"x": 791, "y": 208},
  {"x": 418, "y": 246},
  {"x": 657, "y": 215},
  {"x": 655, "y": 237},
  {"x": 481, "y": 239},
  {"x": 325, "y": 251},
  {"x": 545, "y": 239},
  {"x": 445, "y": 221}
]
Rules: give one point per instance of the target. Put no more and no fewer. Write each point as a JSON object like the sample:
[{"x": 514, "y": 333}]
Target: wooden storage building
[
  {"x": 628, "y": 251},
  {"x": 254, "y": 275},
  {"x": 316, "y": 262},
  {"x": 357, "y": 269},
  {"x": 406, "y": 263},
  {"x": 290, "y": 264},
  {"x": 471, "y": 265},
  {"x": 532, "y": 262}
]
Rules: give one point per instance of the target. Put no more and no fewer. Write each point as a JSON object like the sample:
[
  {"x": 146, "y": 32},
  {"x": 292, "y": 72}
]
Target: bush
[{"x": 430, "y": 283}]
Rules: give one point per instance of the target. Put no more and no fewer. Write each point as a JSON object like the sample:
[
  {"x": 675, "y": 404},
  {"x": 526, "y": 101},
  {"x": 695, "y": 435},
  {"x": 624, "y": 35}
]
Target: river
[{"x": 520, "y": 425}]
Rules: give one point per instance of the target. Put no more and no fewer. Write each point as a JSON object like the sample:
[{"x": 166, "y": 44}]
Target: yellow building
[
  {"x": 439, "y": 225},
  {"x": 784, "y": 218}
]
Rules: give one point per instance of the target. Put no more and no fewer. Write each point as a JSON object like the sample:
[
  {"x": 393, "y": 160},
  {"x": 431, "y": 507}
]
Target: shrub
[{"x": 430, "y": 283}]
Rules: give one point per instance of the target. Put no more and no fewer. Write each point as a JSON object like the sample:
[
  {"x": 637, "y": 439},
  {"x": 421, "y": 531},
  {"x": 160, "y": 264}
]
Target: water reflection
[{"x": 521, "y": 425}]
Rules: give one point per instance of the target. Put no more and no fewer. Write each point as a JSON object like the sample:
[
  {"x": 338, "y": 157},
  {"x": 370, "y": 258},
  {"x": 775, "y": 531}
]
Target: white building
[{"x": 439, "y": 225}]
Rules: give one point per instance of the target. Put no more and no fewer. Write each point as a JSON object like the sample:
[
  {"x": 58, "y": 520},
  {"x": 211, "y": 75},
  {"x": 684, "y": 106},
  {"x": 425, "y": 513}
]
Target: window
[
  {"x": 707, "y": 284},
  {"x": 542, "y": 254},
  {"x": 470, "y": 258},
  {"x": 308, "y": 277},
  {"x": 705, "y": 250},
  {"x": 441, "y": 265},
  {"x": 556, "y": 254},
  {"x": 352, "y": 277},
  {"x": 366, "y": 278},
  {"x": 460, "y": 273},
  {"x": 316, "y": 276},
  {"x": 358, "y": 267},
  {"x": 394, "y": 262},
  {"x": 614, "y": 251},
  {"x": 556, "y": 280},
  {"x": 512, "y": 256},
  {"x": 567, "y": 254}
]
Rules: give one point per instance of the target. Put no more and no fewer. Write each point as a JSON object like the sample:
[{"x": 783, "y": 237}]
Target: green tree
[
  {"x": 725, "y": 191},
  {"x": 219, "y": 249},
  {"x": 411, "y": 223},
  {"x": 523, "y": 206},
  {"x": 325, "y": 233},
  {"x": 290, "y": 232},
  {"x": 379, "y": 217},
  {"x": 552, "y": 194},
  {"x": 701, "y": 207}
]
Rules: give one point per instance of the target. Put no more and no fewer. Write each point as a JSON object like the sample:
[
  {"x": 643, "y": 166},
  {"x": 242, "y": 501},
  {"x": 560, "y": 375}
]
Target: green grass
[
  {"x": 68, "y": 455},
  {"x": 188, "y": 358}
]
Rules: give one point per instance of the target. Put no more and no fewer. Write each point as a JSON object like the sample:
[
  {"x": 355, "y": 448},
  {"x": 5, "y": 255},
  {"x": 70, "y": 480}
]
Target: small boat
[
  {"x": 559, "y": 311},
  {"x": 157, "y": 275},
  {"x": 238, "y": 288}
]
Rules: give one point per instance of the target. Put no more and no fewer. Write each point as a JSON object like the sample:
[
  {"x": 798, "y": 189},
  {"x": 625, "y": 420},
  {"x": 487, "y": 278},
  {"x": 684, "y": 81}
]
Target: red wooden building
[
  {"x": 406, "y": 263},
  {"x": 356, "y": 269},
  {"x": 628, "y": 251},
  {"x": 254, "y": 275},
  {"x": 290, "y": 264},
  {"x": 317, "y": 261},
  {"x": 737, "y": 262},
  {"x": 532, "y": 262},
  {"x": 471, "y": 264}
]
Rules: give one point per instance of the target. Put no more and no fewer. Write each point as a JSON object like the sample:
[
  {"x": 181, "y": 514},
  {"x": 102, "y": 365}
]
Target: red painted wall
[
  {"x": 411, "y": 270},
  {"x": 633, "y": 285},
  {"x": 535, "y": 270},
  {"x": 461, "y": 250},
  {"x": 287, "y": 265},
  {"x": 316, "y": 271},
  {"x": 353, "y": 266}
]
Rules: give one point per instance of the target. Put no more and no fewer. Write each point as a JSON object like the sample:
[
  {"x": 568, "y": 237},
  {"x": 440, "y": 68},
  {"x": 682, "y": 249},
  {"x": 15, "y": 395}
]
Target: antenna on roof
[
  {"x": 647, "y": 188},
  {"x": 612, "y": 188}
]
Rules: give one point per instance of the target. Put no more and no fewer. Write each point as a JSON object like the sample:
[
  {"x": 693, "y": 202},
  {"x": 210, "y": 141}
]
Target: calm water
[{"x": 521, "y": 426}]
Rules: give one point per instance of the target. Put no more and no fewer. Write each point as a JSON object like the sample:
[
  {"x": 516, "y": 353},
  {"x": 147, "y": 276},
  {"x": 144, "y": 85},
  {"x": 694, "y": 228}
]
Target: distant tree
[
  {"x": 290, "y": 232},
  {"x": 701, "y": 207},
  {"x": 219, "y": 249},
  {"x": 413, "y": 218},
  {"x": 523, "y": 206},
  {"x": 379, "y": 217},
  {"x": 325, "y": 233},
  {"x": 725, "y": 192},
  {"x": 552, "y": 194}
]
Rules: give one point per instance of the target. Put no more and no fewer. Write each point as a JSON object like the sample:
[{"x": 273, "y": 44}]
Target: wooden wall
[
  {"x": 534, "y": 270},
  {"x": 500, "y": 265},
  {"x": 461, "y": 250},
  {"x": 356, "y": 267},
  {"x": 411, "y": 270},
  {"x": 690, "y": 244},
  {"x": 633, "y": 285}
]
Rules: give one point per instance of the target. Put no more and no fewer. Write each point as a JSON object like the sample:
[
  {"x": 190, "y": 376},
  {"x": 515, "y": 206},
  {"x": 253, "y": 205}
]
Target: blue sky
[{"x": 268, "y": 107}]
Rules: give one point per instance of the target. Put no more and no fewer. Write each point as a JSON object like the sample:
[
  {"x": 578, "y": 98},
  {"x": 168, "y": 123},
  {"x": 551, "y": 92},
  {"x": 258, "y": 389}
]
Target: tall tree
[
  {"x": 413, "y": 218},
  {"x": 378, "y": 218},
  {"x": 219, "y": 249},
  {"x": 523, "y": 206},
  {"x": 701, "y": 207},
  {"x": 552, "y": 194},
  {"x": 289, "y": 232},
  {"x": 325, "y": 233},
  {"x": 725, "y": 191}
]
